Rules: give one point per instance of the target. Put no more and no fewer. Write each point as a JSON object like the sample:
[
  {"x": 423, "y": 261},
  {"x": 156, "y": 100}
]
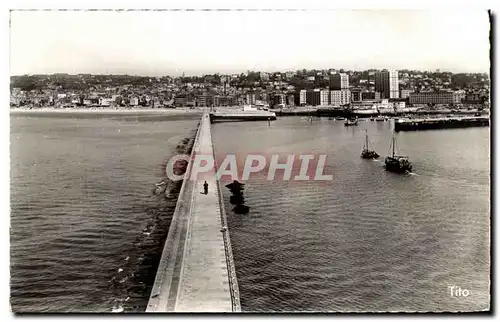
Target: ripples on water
[
  {"x": 369, "y": 240},
  {"x": 86, "y": 230}
]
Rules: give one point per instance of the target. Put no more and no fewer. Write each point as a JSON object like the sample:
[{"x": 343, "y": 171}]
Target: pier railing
[{"x": 233, "y": 282}]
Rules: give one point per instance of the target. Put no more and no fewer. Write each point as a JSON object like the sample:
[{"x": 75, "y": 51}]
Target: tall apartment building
[
  {"x": 302, "y": 97},
  {"x": 387, "y": 83},
  {"x": 250, "y": 98},
  {"x": 335, "y": 98},
  {"x": 324, "y": 97},
  {"x": 340, "y": 97},
  {"x": 339, "y": 81},
  {"x": 313, "y": 97},
  {"x": 345, "y": 97},
  {"x": 318, "y": 79}
]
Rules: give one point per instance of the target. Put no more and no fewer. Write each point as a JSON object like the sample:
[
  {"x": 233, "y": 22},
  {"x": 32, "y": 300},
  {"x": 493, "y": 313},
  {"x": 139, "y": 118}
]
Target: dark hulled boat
[
  {"x": 397, "y": 163},
  {"x": 351, "y": 122},
  {"x": 367, "y": 153}
]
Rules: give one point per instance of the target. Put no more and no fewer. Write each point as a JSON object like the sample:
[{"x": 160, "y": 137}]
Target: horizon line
[{"x": 255, "y": 71}]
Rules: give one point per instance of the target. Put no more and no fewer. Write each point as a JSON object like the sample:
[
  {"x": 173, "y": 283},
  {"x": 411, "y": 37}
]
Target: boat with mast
[
  {"x": 397, "y": 163},
  {"x": 367, "y": 153}
]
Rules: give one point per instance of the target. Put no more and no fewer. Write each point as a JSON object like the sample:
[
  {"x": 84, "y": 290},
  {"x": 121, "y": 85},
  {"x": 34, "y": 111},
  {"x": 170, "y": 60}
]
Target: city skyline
[{"x": 158, "y": 43}]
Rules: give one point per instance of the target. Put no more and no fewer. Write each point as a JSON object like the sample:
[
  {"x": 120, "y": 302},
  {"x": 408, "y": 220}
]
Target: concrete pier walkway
[{"x": 196, "y": 271}]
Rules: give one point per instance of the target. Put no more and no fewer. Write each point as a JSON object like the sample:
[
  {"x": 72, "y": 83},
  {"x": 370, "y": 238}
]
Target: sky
[{"x": 157, "y": 43}]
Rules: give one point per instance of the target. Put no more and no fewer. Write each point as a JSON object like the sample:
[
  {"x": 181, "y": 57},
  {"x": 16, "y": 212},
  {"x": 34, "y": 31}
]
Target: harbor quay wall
[
  {"x": 430, "y": 124},
  {"x": 228, "y": 116},
  {"x": 196, "y": 272}
]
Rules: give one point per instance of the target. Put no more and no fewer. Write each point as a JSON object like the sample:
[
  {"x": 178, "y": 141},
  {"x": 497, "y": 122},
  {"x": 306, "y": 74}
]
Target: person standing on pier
[{"x": 205, "y": 187}]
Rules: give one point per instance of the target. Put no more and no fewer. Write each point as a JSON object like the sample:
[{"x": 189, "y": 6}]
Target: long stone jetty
[{"x": 196, "y": 271}]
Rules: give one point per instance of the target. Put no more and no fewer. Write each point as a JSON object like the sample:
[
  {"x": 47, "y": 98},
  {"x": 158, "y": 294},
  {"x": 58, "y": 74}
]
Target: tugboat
[
  {"x": 397, "y": 163},
  {"x": 367, "y": 153},
  {"x": 351, "y": 122}
]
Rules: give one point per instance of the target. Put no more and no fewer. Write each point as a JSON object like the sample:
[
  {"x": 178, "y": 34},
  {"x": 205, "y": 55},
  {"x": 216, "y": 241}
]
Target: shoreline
[{"x": 104, "y": 110}]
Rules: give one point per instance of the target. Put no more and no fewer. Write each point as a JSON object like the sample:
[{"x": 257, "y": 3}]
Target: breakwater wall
[
  {"x": 196, "y": 271},
  {"x": 241, "y": 116},
  {"x": 439, "y": 123}
]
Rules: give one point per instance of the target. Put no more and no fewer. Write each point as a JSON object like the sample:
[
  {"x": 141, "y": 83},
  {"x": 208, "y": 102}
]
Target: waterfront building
[
  {"x": 404, "y": 93},
  {"x": 356, "y": 95},
  {"x": 443, "y": 97},
  {"x": 259, "y": 95},
  {"x": 324, "y": 97},
  {"x": 105, "y": 101},
  {"x": 458, "y": 96},
  {"x": 474, "y": 98},
  {"x": 335, "y": 98},
  {"x": 250, "y": 98},
  {"x": 134, "y": 101},
  {"x": 345, "y": 97},
  {"x": 371, "y": 96},
  {"x": 387, "y": 83},
  {"x": 302, "y": 97},
  {"x": 313, "y": 97},
  {"x": 277, "y": 100},
  {"x": 179, "y": 101},
  {"x": 205, "y": 100},
  {"x": 339, "y": 81},
  {"x": 155, "y": 102}
]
